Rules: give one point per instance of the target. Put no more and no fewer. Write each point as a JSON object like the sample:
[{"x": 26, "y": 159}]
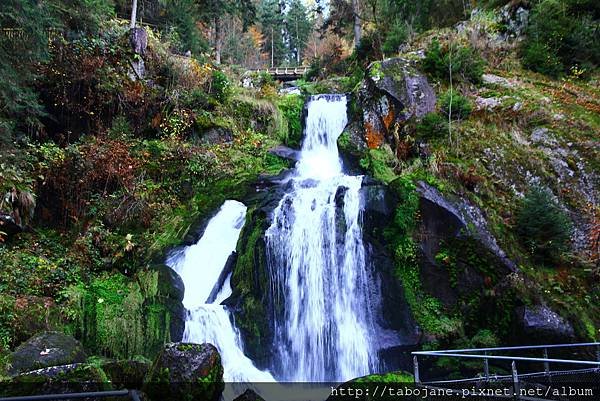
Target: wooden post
[
  {"x": 516, "y": 387},
  {"x": 416, "y": 370}
]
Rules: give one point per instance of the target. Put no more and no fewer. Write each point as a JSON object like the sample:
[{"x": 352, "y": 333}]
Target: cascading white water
[
  {"x": 317, "y": 260},
  {"x": 200, "y": 267}
]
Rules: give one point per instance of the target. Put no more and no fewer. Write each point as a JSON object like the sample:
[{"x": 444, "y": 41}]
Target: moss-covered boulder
[
  {"x": 121, "y": 318},
  {"x": 186, "y": 372},
  {"x": 45, "y": 349},
  {"x": 129, "y": 373},
  {"x": 77, "y": 377}
]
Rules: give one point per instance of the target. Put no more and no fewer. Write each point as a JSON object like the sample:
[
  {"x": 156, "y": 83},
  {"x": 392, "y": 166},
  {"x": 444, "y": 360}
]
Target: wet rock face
[
  {"x": 44, "y": 350},
  {"x": 542, "y": 325},
  {"x": 396, "y": 327},
  {"x": 185, "y": 371},
  {"x": 459, "y": 215},
  {"x": 171, "y": 291},
  {"x": 393, "y": 93}
]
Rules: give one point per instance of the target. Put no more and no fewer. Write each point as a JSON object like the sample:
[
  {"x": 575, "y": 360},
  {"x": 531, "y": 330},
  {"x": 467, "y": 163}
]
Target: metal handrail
[
  {"x": 132, "y": 394},
  {"x": 520, "y": 347},
  {"x": 486, "y": 357},
  {"x": 517, "y": 358}
]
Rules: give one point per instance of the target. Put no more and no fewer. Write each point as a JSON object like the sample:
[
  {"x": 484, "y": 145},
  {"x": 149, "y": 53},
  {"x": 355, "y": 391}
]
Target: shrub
[
  {"x": 541, "y": 58},
  {"x": 432, "y": 126},
  {"x": 464, "y": 61},
  {"x": 221, "y": 87},
  {"x": 455, "y": 106},
  {"x": 291, "y": 108},
  {"x": 395, "y": 38},
  {"x": 542, "y": 225},
  {"x": 562, "y": 34}
]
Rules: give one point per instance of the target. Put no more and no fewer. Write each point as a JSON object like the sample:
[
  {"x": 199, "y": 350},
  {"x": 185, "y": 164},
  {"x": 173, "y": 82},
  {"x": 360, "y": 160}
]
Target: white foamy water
[
  {"x": 317, "y": 261},
  {"x": 200, "y": 266}
]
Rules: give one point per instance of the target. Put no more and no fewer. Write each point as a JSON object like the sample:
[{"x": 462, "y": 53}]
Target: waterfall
[
  {"x": 201, "y": 266},
  {"x": 316, "y": 256}
]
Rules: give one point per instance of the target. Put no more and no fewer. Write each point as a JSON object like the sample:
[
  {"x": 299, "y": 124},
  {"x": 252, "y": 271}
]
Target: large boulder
[
  {"x": 72, "y": 378},
  {"x": 128, "y": 373},
  {"x": 285, "y": 153},
  {"x": 44, "y": 350},
  {"x": 185, "y": 371},
  {"x": 540, "y": 324},
  {"x": 393, "y": 93}
]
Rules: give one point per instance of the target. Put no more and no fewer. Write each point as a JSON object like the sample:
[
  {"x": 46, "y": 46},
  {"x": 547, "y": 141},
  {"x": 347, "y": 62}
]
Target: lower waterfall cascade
[{"x": 200, "y": 267}]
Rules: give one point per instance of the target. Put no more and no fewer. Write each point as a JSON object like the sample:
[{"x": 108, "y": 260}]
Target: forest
[{"x": 195, "y": 193}]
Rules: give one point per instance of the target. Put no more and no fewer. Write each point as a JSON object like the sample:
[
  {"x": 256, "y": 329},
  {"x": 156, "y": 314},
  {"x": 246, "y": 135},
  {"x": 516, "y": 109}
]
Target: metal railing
[
  {"x": 131, "y": 394},
  {"x": 486, "y": 355}
]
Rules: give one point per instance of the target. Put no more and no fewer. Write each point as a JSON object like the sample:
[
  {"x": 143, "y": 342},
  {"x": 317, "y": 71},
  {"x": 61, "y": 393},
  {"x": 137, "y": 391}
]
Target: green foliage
[
  {"x": 118, "y": 317},
  {"x": 391, "y": 377},
  {"x": 432, "y": 126},
  {"x": 455, "y": 106},
  {"x": 462, "y": 61},
  {"x": 380, "y": 164},
  {"x": 221, "y": 86},
  {"x": 541, "y": 58},
  {"x": 271, "y": 20},
  {"x": 395, "y": 37},
  {"x": 542, "y": 225},
  {"x": 299, "y": 28},
  {"x": 562, "y": 35},
  {"x": 182, "y": 16},
  {"x": 291, "y": 107}
]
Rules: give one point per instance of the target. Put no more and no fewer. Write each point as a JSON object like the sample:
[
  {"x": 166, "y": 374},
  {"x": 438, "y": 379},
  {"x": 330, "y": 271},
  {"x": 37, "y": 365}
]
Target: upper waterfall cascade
[
  {"x": 200, "y": 267},
  {"x": 317, "y": 261}
]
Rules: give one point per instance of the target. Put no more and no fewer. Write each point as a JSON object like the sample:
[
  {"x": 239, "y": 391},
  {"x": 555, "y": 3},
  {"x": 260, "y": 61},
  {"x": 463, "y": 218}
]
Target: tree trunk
[
  {"x": 217, "y": 40},
  {"x": 357, "y": 29},
  {"x": 133, "y": 14}
]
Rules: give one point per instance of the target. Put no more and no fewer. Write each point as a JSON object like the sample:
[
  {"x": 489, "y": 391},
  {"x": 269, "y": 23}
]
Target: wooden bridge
[{"x": 281, "y": 73}]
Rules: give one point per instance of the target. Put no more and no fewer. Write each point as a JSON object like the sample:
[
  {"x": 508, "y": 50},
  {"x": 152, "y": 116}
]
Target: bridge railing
[{"x": 300, "y": 70}]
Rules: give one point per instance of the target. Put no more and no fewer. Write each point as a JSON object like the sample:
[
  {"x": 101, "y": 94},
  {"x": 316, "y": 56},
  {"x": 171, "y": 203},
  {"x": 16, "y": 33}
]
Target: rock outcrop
[
  {"x": 44, "y": 350},
  {"x": 393, "y": 93},
  {"x": 542, "y": 325},
  {"x": 185, "y": 371}
]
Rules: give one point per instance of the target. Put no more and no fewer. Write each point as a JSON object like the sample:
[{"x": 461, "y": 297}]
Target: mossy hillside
[
  {"x": 120, "y": 318},
  {"x": 113, "y": 197},
  {"x": 492, "y": 158}
]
